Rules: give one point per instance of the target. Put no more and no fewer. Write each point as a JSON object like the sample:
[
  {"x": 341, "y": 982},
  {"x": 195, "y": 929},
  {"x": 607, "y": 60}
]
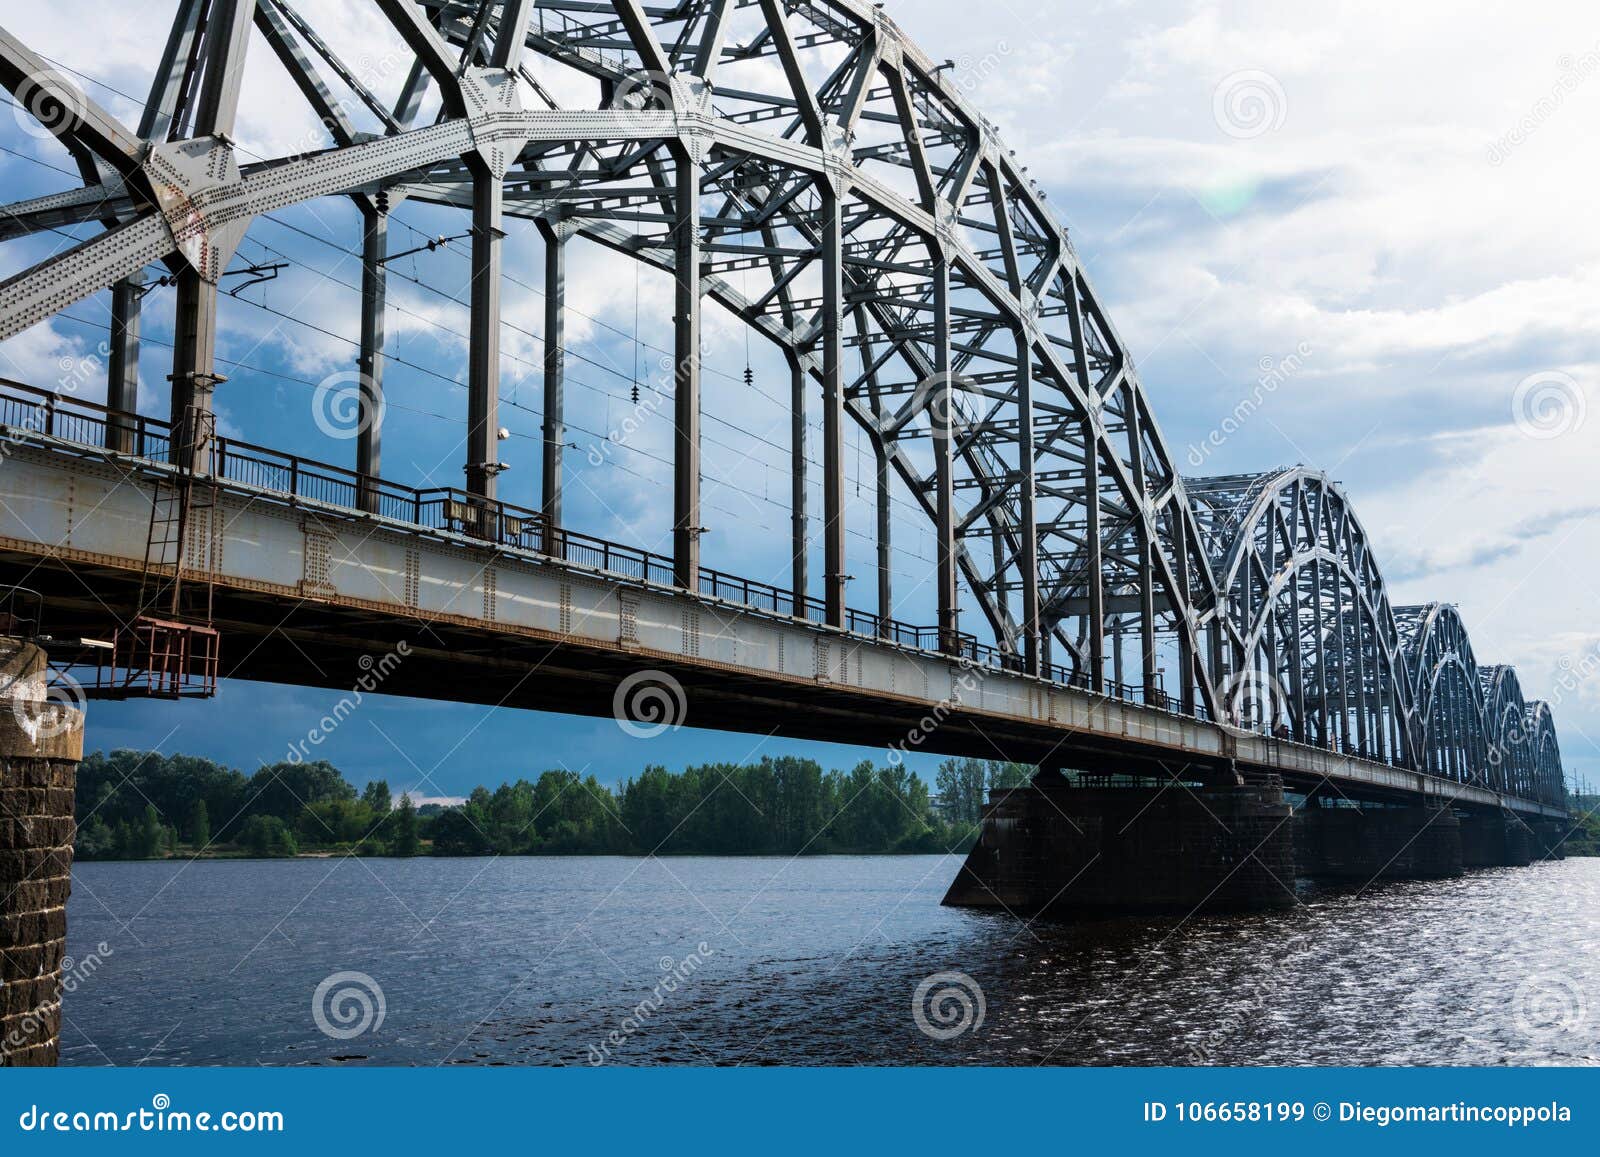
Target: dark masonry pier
[
  {"x": 1344, "y": 843},
  {"x": 1060, "y": 849},
  {"x": 41, "y": 742},
  {"x": 1066, "y": 846}
]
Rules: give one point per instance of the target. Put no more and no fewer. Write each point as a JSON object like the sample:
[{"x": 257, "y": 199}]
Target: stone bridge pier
[
  {"x": 41, "y": 742},
  {"x": 1060, "y": 849},
  {"x": 1376, "y": 842}
]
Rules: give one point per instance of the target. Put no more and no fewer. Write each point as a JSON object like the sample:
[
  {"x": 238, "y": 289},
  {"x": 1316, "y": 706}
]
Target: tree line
[{"x": 144, "y": 805}]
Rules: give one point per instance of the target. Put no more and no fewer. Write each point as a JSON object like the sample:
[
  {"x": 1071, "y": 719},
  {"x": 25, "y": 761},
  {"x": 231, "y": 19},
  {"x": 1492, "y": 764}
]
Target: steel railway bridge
[
  {"x": 802, "y": 165},
  {"x": 805, "y": 167}
]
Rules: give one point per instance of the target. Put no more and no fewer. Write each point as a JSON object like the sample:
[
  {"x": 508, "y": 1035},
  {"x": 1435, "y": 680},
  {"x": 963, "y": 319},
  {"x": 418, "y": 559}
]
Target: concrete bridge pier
[
  {"x": 1340, "y": 843},
  {"x": 41, "y": 742},
  {"x": 1057, "y": 848}
]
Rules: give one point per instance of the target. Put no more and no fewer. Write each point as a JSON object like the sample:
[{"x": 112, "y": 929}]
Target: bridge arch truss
[{"x": 804, "y": 165}]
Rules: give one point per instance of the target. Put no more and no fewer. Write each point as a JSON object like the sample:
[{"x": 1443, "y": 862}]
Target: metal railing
[{"x": 26, "y": 409}]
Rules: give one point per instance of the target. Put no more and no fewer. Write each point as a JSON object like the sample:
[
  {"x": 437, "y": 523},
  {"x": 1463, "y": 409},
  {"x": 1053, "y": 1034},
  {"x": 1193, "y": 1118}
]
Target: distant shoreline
[{"x": 337, "y": 855}]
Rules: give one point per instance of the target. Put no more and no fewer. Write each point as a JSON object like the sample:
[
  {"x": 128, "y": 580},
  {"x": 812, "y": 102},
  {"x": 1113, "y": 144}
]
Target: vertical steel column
[
  {"x": 797, "y": 484},
  {"x": 1363, "y": 704},
  {"x": 374, "y": 292},
  {"x": 686, "y": 373},
  {"x": 1341, "y": 657},
  {"x": 483, "y": 355},
  {"x": 885, "y": 541},
  {"x": 832, "y": 409},
  {"x": 1094, "y": 574},
  {"x": 227, "y": 34},
  {"x": 194, "y": 373},
  {"x": 1186, "y": 655},
  {"x": 941, "y": 418},
  {"x": 1317, "y": 596},
  {"x": 555, "y": 386},
  {"x": 122, "y": 373},
  {"x": 1147, "y": 548},
  {"x": 1029, "y": 560}
]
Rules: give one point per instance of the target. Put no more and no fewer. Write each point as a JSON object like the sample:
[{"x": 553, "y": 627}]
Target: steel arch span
[
  {"x": 804, "y": 165},
  {"x": 1310, "y": 646}
]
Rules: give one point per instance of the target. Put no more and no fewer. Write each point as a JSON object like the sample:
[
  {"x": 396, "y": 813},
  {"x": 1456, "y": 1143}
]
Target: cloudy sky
[{"x": 1400, "y": 196}]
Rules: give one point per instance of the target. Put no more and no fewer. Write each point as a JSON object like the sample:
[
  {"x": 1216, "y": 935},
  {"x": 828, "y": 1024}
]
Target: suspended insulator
[
  {"x": 383, "y": 200},
  {"x": 635, "y": 393},
  {"x": 749, "y": 376}
]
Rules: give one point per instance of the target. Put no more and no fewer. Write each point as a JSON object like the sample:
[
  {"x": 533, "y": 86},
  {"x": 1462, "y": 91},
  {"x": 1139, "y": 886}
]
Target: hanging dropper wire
[{"x": 636, "y": 330}]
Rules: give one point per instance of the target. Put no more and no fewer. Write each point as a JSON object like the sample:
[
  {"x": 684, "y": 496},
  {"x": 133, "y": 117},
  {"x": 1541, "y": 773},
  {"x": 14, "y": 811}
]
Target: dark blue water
[{"x": 811, "y": 961}]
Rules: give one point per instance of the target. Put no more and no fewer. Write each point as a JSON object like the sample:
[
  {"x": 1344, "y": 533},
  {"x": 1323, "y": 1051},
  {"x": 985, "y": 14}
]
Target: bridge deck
[{"x": 311, "y": 592}]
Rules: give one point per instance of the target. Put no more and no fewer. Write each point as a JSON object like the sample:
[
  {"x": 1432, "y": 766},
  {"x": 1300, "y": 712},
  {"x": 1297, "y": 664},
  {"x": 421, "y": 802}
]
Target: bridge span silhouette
[{"x": 1208, "y": 672}]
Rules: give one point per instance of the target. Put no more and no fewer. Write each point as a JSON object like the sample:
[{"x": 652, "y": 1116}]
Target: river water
[{"x": 810, "y": 961}]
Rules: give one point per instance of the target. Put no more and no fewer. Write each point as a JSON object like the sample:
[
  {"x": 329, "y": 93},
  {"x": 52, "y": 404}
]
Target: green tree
[
  {"x": 378, "y": 797},
  {"x": 268, "y": 836},
  {"x": 152, "y": 834},
  {"x": 199, "y": 824},
  {"x": 405, "y": 841}
]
